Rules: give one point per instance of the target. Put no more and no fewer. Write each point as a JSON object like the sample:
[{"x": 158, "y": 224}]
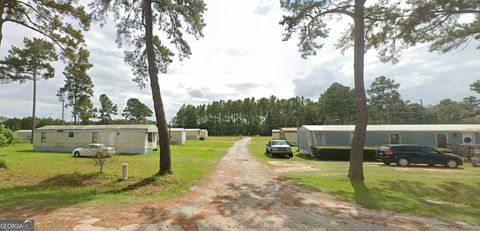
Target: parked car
[
  {"x": 279, "y": 147},
  {"x": 404, "y": 155},
  {"x": 93, "y": 150}
]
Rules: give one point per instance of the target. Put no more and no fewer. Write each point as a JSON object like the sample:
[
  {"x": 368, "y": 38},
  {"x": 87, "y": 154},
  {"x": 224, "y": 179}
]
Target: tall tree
[
  {"x": 77, "y": 82},
  {"x": 385, "y": 102},
  {"x": 85, "y": 109},
  {"x": 48, "y": 18},
  {"x": 136, "y": 22},
  {"x": 107, "y": 109},
  {"x": 30, "y": 63},
  {"x": 338, "y": 104},
  {"x": 136, "y": 110},
  {"x": 309, "y": 19}
]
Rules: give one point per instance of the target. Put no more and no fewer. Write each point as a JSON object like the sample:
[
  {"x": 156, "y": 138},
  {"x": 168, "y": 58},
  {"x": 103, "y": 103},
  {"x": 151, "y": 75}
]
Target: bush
[
  {"x": 7, "y": 137},
  {"x": 341, "y": 153},
  {"x": 3, "y": 164}
]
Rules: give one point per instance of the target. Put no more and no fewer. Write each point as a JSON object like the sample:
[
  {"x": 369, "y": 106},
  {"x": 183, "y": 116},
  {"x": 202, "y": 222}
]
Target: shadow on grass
[
  {"x": 450, "y": 200},
  {"x": 53, "y": 193}
]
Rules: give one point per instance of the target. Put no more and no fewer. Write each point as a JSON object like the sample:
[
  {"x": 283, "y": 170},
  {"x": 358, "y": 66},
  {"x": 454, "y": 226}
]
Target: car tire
[
  {"x": 76, "y": 154},
  {"x": 386, "y": 163},
  {"x": 431, "y": 165},
  {"x": 403, "y": 162},
  {"x": 451, "y": 163},
  {"x": 290, "y": 155}
]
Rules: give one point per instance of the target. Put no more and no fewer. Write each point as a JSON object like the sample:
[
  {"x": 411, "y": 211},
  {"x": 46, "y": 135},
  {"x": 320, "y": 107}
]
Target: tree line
[{"x": 336, "y": 105}]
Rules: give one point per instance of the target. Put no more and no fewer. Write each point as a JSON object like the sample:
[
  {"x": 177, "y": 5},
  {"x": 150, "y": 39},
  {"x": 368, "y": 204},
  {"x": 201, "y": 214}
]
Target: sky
[{"x": 242, "y": 55}]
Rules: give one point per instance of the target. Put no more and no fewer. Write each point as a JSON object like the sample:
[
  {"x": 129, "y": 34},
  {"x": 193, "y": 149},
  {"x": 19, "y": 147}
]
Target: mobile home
[
  {"x": 451, "y": 136},
  {"x": 139, "y": 138},
  {"x": 203, "y": 133},
  {"x": 193, "y": 134},
  {"x": 24, "y": 134},
  {"x": 289, "y": 134},
  {"x": 275, "y": 134},
  {"x": 177, "y": 135}
]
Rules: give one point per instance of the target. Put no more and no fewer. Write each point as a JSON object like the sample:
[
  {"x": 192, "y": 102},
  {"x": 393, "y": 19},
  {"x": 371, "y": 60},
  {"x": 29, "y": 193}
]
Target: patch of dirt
[{"x": 290, "y": 167}]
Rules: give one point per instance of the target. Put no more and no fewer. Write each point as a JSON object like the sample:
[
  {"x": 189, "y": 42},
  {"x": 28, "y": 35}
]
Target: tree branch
[{"x": 37, "y": 30}]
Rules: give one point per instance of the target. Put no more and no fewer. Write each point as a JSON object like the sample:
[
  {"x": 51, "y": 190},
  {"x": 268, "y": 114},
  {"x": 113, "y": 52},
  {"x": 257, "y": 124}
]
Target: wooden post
[{"x": 124, "y": 171}]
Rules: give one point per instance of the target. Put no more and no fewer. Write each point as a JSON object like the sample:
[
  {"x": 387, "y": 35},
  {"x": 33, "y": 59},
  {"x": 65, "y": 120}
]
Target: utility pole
[{"x": 423, "y": 111}]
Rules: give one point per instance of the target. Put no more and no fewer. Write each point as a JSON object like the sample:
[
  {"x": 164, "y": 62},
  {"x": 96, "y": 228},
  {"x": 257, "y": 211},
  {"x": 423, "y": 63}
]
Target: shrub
[
  {"x": 3, "y": 164},
  {"x": 341, "y": 153},
  {"x": 7, "y": 137}
]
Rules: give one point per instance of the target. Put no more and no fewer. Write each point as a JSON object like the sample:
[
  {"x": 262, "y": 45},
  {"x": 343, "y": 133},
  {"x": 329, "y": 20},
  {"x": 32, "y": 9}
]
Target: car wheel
[
  {"x": 451, "y": 163},
  {"x": 431, "y": 165},
  {"x": 403, "y": 162},
  {"x": 76, "y": 154},
  {"x": 386, "y": 163},
  {"x": 290, "y": 155}
]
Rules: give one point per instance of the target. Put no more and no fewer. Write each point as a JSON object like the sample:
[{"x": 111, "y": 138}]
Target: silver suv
[{"x": 279, "y": 147}]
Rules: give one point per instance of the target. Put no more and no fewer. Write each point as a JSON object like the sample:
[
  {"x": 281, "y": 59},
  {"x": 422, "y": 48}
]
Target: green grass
[
  {"x": 40, "y": 181},
  {"x": 453, "y": 193}
]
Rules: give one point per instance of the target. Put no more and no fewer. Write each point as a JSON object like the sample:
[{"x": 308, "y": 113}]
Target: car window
[
  {"x": 94, "y": 146},
  {"x": 429, "y": 150},
  {"x": 279, "y": 142},
  {"x": 86, "y": 146}
]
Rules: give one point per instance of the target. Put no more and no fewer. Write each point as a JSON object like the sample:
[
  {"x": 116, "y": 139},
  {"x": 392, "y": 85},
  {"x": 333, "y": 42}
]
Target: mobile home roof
[
  {"x": 397, "y": 127},
  {"x": 149, "y": 127}
]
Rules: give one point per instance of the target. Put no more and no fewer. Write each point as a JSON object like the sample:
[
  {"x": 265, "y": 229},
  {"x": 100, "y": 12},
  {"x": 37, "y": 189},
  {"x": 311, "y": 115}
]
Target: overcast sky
[{"x": 243, "y": 55}]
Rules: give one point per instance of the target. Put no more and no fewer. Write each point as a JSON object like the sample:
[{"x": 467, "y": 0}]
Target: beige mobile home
[
  {"x": 275, "y": 134},
  {"x": 177, "y": 135},
  {"x": 203, "y": 133},
  {"x": 24, "y": 134},
  {"x": 193, "y": 134},
  {"x": 138, "y": 138},
  {"x": 290, "y": 135}
]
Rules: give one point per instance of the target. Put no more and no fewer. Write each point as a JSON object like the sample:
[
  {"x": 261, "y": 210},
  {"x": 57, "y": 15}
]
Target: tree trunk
[
  {"x": 165, "y": 162},
  {"x": 34, "y": 102},
  {"x": 355, "y": 172}
]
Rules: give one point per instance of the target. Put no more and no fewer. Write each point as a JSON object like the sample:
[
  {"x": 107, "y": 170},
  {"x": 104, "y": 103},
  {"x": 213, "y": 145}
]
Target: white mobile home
[
  {"x": 452, "y": 136},
  {"x": 193, "y": 134},
  {"x": 177, "y": 135},
  {"x": 275, "y": 134},
  {"x": 24, "y": 134},
  {"x": 138, "y": 138},
  {"x": 290, "y": 135},
  {"x": 203, "y": 133}
]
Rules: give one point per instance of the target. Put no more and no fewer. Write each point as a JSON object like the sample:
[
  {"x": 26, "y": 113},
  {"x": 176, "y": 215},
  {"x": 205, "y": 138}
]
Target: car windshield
[{"x": 278, "y": 142}]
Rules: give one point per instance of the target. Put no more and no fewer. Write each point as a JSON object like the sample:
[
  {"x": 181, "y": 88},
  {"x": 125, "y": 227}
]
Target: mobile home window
[
  {"x": 150, "y": 137},
  {"x": 395, "y": 138},
  {"x": 95, "y": 137},
  {"x": 43, "y": 137},
  {"x": 70, "y": 134}
]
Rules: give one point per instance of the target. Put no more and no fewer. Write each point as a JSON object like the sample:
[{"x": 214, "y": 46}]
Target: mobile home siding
[
  {"x": 340, "y": 135},
  {"x": 125, "y": 139}
]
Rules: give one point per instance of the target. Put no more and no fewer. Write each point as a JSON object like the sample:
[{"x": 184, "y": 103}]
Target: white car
[{"x": 93, "y": 150}]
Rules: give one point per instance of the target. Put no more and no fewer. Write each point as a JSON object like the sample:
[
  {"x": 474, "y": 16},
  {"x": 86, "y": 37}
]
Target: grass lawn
[
  {"x": 448, "y": 194},
  {"x": 42, "y": 181}
]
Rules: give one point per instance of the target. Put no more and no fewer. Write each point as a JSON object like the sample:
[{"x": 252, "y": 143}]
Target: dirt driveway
[{"x": 243, "y": 194}]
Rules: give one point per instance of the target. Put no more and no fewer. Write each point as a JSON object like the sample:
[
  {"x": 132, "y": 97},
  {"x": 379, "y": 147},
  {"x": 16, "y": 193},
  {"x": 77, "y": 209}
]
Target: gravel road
[{"x": 244, "y": 194}]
